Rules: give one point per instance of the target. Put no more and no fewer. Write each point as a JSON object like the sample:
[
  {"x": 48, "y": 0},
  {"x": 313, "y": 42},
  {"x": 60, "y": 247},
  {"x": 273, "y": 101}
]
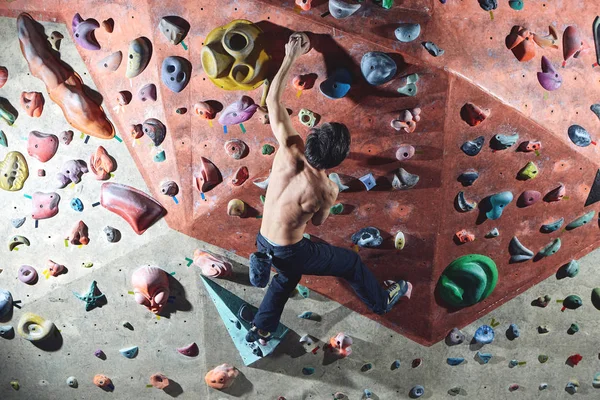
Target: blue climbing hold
[
  {"x": 368, "y": 180},
  {"x": 579, "y": 136},
  {"x": 129, "y": 352},
  {"x": 473, "y": 147},
  {"x": 416, "y": 392},
  {"x": 484, "y": 334},
  {"x": 467, "y": 178},
  {"x": 367, "y": 237},
  {"x": 497, "y": 203},
  {"x": 337, "y": 85},
  {"x": 77, "y": 204},
  {"x": 396, "y": 365},
  {"x": 484, "y": 358},
  {"x": 455, "y": 360}
]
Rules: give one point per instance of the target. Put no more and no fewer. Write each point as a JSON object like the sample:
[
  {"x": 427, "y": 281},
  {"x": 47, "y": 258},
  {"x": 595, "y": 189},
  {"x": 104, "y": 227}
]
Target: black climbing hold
[
  {"x": 594, "y": 195},
  {"x": 469, "y": 177},
  {"x": 488, "y": 5},
  {"x": 596, "y": 109},
  {"x": 473, "y": 147}
]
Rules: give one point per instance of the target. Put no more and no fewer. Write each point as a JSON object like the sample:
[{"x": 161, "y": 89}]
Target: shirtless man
[{"x": 299, "y": 191}]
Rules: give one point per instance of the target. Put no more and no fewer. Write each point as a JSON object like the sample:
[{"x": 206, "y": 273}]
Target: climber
[{"x": 299, "y": 191}]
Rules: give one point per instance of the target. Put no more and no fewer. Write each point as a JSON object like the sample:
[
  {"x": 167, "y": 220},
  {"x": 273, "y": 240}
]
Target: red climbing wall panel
[{"x": 476, "y": 67}]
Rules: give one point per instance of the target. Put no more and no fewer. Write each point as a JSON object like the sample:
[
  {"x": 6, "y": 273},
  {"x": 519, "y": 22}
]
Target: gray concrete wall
[{"x": 193, "y": 317}]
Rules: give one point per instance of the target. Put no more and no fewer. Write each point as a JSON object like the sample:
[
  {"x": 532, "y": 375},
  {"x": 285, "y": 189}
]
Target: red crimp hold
[{"x": 574, "y": 359}]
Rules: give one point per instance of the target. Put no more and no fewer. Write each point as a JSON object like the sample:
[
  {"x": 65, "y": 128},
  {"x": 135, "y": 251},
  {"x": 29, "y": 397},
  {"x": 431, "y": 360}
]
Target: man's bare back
[{"x": 297, "y": 193}]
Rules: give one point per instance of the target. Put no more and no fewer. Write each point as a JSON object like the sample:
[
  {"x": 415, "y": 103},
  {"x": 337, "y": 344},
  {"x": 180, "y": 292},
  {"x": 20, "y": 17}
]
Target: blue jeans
[{"x": 321, "y": 259}]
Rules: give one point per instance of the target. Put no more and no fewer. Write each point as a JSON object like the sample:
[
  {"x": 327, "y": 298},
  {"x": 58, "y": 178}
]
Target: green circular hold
[
  {"x": 516, "y": 4},
  {"x": 468, "y": 280}
]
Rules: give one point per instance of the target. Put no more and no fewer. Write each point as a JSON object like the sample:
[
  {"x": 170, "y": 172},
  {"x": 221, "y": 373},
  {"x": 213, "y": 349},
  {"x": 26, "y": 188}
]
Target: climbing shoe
[
  {"x": 255, "y": 334},
  {"x": 395, "y": 291}
]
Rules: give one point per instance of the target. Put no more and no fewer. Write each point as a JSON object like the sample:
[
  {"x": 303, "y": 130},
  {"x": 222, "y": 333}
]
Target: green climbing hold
[
  {"x": 267, "y": 150},
  {"x": 542, "y": 358},
  {"x": 337, "y": 209},
  {"x": 516, "y": 4},
  {"x": 529, "y": 171},
  {"x": 262, "y": 199},
  {"x": 7, "y": 115},
  {"x": 596, "y": 298},
  {"x": 584, "y": 219},
  {"x": 3, "y": 140},
  {"x": 573, "y": 329},
  {"x": 572, "y": 302},
  {"x": 468, "y": 280}
]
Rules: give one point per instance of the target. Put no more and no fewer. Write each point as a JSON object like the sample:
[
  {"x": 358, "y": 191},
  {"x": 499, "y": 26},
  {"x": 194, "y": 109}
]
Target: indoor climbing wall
[
  {"x": 477, "y": 109},
  {"x": 474, "y": 158}
]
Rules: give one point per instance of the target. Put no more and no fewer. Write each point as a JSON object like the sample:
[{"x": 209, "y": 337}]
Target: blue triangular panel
[{"x": 228, "y": 306}]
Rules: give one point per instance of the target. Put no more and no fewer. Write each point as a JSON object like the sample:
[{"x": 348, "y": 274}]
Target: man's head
[{"x": 327, "y": 146}]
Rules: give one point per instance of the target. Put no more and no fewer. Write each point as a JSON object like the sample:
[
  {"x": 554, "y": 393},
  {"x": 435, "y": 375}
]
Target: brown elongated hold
[{"x": 64, "y": 86}]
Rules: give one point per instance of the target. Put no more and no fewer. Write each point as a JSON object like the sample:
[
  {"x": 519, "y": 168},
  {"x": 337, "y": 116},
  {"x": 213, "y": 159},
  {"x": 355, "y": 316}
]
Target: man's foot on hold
[
  {"x": 255, "y": 334},
  {"x": 395, "y": 291}
]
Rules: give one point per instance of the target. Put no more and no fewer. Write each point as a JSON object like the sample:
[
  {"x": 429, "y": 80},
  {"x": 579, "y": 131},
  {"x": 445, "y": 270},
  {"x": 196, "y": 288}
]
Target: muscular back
[{"x": 297, "y": 193}]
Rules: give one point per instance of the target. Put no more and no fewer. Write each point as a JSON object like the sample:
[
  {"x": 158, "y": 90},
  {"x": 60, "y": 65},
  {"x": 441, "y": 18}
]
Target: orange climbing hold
[
  {"x": 304, "y": 4},
  {"x": 521, "y": 42},
  {"x": 464, "y": 236}
]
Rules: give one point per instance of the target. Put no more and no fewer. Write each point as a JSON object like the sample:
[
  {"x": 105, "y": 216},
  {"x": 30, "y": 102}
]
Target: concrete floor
[{"x": 193, "y": 317}]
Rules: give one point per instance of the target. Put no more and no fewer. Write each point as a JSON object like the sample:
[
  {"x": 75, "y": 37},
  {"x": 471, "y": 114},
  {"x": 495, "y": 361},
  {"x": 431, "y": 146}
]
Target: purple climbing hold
[
  {"x": 83, "y": 32},
  {"x": 549, "y": 77}
]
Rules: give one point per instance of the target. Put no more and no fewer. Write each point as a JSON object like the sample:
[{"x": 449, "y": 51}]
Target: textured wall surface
[{"x": 487, "y": 75}]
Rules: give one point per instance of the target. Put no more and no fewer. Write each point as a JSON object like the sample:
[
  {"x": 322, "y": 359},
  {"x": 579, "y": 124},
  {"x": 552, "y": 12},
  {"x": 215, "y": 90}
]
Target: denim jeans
[{"x": 321, "y": 259}]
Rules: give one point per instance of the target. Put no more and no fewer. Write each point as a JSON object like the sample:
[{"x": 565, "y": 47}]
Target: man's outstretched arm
[{"x": 279, "y": 119}]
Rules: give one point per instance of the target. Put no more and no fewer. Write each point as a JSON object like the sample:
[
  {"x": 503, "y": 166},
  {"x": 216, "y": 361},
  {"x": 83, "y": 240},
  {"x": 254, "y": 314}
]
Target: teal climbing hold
[
  {"x": 337, "y": 209},
  {"x": 90, "y": 298},
  {"x": 129, "y": 352},
  {"x": 579, "y": 222},
  {"x": 501, "y": 142},
  {"x": 160, "y": 157},
  {"x": 551, "y": 248},
  {"x": 303, "y": 290},
  {"x": 308, "y": 370},
  {"x": 572, "y": 302},
  {"x": 3, "y": 141},
  {"x": 410, "y": 89},
  {"x": 516, "y": 4},
  {"x": 553, "y": 226},
  {"x": 497, "y": 203},
  {"x": 468, "y": 280},
  {"x": 305, "y": 315},
  {"x": 228, "y": 306}
]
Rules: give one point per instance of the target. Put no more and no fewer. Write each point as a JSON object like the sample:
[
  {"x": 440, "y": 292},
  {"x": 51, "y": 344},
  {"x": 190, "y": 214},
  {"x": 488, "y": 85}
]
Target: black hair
[{"x": 327, "y": 146}]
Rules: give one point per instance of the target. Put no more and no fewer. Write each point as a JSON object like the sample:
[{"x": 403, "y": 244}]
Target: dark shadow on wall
[{"x": 335, "y": 57}]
